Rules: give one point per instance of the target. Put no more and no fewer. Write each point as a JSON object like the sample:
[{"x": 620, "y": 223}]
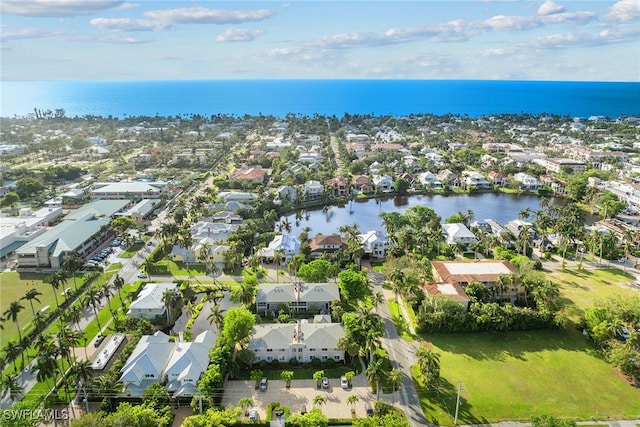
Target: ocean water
[{"x": 474, "y": 98}]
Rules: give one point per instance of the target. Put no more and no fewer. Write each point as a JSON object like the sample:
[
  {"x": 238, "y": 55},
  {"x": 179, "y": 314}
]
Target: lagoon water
[
  {"x": 474, "y": 98},
  {"x": 366, "y": 213}
]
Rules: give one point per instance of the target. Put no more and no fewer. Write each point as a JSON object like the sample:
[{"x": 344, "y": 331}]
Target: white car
[
  {"x": 253, "y": 415},
  {"x": 344, "y": 383}
]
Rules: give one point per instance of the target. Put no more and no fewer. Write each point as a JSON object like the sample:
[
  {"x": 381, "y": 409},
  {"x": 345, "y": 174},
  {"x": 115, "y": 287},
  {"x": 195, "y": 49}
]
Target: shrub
[
  {"x": 293, "y": 362},
  {"x": 316, "y": 363},
  {"x": 330, "y": 363},
  {"x": 275, "y": 363}
]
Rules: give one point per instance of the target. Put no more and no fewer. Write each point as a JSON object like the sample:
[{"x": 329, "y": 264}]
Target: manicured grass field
[
  {"x": 13, "y": 286},
  {"x": 579, "y": 290},
  {"x": 514, "y": 376}
]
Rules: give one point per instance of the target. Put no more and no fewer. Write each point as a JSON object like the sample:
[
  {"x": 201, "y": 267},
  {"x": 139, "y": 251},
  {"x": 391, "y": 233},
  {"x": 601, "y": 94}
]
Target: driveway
[{"x": 300, "y": 396}]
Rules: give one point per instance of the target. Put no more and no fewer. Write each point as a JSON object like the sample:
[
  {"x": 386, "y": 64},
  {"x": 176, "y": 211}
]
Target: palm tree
[
  {"x": 147, "y": 266},
  {"x": 106, "y": 291},
  {"x": 319, "y": 400},
  {"x": 71, "y": 265},
  {"x": 429, "y": 364},
  {"x": 83, "y": 372},
  {"x": 377, "y": 299},
  {"x": 168, "y": 298},
  {"x": 216, "y": 316},
  {"x": 74, "y": 315},
  {"x": 375, "y": 372},
  {"x": 45, "y": 368},
  {"x": 118, "y": 283},
  {"x": 245, "y": 403},
  {"x": 12, "y": 314},
  {"x": 11, "y": 387},
  {"x": 12, "y": 350},
  {"x": 243, "y": 294},
  {"x": 395, "y": 378},
  {"x": 93, "y": 298},
  {"x": 352, "y": 400},
  {"x": 31, "y": 295},
  {"x": 56, "y": 280}
]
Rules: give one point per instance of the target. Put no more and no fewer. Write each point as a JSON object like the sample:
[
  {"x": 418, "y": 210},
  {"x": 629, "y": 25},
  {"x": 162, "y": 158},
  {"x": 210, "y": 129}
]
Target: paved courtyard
[{"x": 300, "y": 396}]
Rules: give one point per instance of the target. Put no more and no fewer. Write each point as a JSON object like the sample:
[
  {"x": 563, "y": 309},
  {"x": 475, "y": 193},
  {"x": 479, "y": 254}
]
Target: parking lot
[{"x": 300, "y": 396}]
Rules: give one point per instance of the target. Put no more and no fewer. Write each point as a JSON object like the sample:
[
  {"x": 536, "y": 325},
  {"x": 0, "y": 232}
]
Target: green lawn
[
  {"x": 13, "y": 286},
  {"x": 514, "y": 376},
  {"x": 579, "y": 290}
]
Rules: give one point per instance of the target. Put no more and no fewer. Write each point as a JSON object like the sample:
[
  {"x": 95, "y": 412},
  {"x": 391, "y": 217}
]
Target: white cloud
[
  {"x": 497, "y": 52},
  {"x": 238, "y": 35},
  {"x": 550, "y": 8},
  {"x": 29, "y": 33},
  {"x": 47, "y": 8},
  {"x": 203, "y": 15},
  {"x": 126, "y": 24},
  {"x": 624, "y": 11},
  {"x": 127, "y": 5}
]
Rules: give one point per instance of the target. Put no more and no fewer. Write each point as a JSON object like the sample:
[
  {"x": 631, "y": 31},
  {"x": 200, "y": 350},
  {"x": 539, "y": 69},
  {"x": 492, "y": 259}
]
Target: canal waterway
[{"x": 366, "y": 213}]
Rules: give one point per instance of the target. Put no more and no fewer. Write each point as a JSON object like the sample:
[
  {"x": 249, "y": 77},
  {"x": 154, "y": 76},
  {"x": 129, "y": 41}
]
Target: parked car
[
  {"x": 263, "y": 384},
  {"x": 344, "y": 383},
  {"x": 623, "y": 333},
  {"x": 325, "y": 382},
  {"x": 98, "y": 341},
  {"x": 142, "y": 276},
  {"x": 253, "y": 415},
  {"x": 368, "y": 409}
]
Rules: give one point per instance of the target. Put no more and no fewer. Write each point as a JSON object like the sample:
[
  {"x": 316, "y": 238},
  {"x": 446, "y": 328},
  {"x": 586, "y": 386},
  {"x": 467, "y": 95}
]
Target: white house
[
  {"x": 528, "y": 182},
  {"x": 475, "y": 180},
  {"x": 286, "y": 194},
  {"x": 300, "y": 296},
  {"x": 287, "y": 245},
  {"x": 302, "y": 341},
  {"x": 458, "y": 233},
  {"x": 383, "y": 182},
  {"x": 157, "y": 360},
  {"x": 149, "y": 303},
  {"x": 129, "y": 190},
  {"x": 312, "y": 190},
  {"x": 374, "y": 243},
  {"x": 428, "y": 179}
]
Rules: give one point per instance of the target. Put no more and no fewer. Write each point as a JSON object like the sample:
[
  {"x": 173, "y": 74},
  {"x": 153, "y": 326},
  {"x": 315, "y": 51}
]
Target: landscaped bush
[
  {"x": 330, "y": 363},
  {"x": 275, "y": 364},
  {"x": 293, "y": 362},
  {"x": 315, "y": 362}
]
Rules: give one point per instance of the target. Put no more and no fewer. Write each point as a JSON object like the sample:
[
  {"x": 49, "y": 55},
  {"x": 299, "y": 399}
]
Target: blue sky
[{"x": 151, "y": 40}]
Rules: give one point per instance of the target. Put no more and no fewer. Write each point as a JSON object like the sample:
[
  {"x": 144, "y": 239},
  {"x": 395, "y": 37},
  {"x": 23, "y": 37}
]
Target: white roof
[
  {"x": 458, "y": 231},
  {"x": 285, "y": 243},
  {"x": 150, "y": 297},
  {"x": 149, "y": 357}
]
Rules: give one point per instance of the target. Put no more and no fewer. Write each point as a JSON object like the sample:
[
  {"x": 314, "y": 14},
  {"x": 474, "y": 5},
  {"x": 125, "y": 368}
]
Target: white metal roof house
[
  {"x": 458, "y": 233},
  {"x": 303, "y": 341},
  {"x": 301, "y": 296},
  {"x": 375, "y": 243},
  {"x": 286, "y": 244},
  {"x": 149, "y": 302},
  {"x": 157, "y": 360}
]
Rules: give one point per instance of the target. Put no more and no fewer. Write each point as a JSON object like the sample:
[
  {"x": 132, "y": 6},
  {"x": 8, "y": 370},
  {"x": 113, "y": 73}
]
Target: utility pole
[{"x": 455, "y": 419}]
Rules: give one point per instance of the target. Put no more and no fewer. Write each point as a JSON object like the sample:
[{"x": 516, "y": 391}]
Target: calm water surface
[{"x": 498, "y": 206}]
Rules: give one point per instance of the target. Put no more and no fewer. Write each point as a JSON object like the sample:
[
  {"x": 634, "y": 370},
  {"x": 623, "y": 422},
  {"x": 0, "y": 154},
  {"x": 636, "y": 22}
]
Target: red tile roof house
[
  {"x": 248, "y": 175},
  {"x": 326, "y": 244},
  {"x": 487, "y": 273}
]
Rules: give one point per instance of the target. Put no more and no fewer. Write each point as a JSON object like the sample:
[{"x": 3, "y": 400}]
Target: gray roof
[
  {"x": 99, "y": 208},
  {"x": 310, "y": 292}
]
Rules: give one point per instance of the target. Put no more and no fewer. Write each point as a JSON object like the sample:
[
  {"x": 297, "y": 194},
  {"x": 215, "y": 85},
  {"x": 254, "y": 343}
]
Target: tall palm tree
[
  {"x": 12, "y": 314},
  {"x": 216, "y": 316},
  {"x": 319, "y": 400},
  {"x": 352, "y": 400},
  {"x": 71, "y": 265},
  {"x": 105, "y": 290},
  {"x": 74, "y": 315},
  {"x": 31, "y": 295},
  {"x": 83, "y": 372},
  {"x": 429, "y": 364},
  {"x": 377, "y": 299},
  {"x": 93, "y": 298},
  {"x": 12, "y": 350},
  {"x": 395, "y": 378},
  {"x": 45, "y": 368},
  {"x": 56, "y": 280},
  {"x": 118, "y": 283},
  {"x": 375, "y": 372},
  {"x": 168, "y": 298},
  {"x": 11, "y": 387}
]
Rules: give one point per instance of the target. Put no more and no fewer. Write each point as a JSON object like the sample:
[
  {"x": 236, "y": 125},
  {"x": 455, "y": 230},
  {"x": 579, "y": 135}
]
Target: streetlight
[{"x": 455, "y": 419}]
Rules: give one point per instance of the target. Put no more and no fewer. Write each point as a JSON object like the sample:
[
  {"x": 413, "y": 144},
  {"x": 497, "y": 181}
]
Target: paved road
[{"x": 402, "y": 357}]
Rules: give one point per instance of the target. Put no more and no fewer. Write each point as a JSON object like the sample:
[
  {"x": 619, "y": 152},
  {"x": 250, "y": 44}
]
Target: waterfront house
[
  {"x": 362, "y": 184},
  {"x": 339, "y": 185},
  {"x": 527, "y": 182},
  {"x": 285, "y": 244},
  {"x": 475, "y": 181},
  {"x": 458, "y": 233},
  {"x": 429, "y": 180},
  {"x": 496, "y": 178},
  {"x": 383, "y": 183},
  {"x": 286, "y": 194},
  {"x": 374, "y": 244},
  {"x": 312, "y": 190},
  {"x": 326, "y": 244}
]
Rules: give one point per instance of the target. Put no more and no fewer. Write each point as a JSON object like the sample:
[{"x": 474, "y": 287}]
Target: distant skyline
[{"x": 196, "y": 40}]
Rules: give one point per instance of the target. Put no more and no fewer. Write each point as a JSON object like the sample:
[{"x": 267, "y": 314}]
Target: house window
[
  {"x": 324, "y": 358},
  {"x": 269, "y": 358},
  {"x": 282, "y": 350},
  {"x": 324, "y": 349},
  {"x": 312, "y": 349},
  {"x": 299, "y": 357},
  {"x": 282, "y": 358},
  {"x": 311, "y": 357},
  {"x": 300, "y": 350},
  {"x": 269, "y": 350},
  {"x": 336, "y": 357}
]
